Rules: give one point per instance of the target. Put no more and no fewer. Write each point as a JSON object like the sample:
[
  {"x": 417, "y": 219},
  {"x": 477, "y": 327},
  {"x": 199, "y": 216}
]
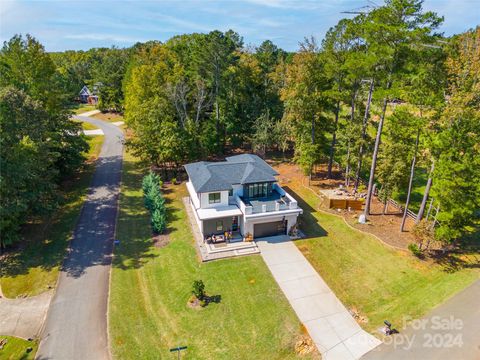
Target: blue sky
[{"x": 62, "y": 25}]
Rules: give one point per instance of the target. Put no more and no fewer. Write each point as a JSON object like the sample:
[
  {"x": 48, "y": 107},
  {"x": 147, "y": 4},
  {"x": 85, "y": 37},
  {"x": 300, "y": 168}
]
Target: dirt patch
[
  {"x": 161, "y": 240},
  {"x": 386, "y": 227},
  {"x": 304, "y": 346}
]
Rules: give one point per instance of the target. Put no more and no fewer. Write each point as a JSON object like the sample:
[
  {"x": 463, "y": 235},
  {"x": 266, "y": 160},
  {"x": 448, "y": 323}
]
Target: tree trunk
[
  {"x": 410, "y": 183},
  {"x": 429, "y": 209},
  {"x": 374, "y": 158},
  {"x": 217, "y": 110},
  {"x": 425, "y": 195},
  {"x": 364, "y": 136},
  {"x": 334, "y": 140},
  {"x": 313, "y": 130},
  {"x": 352, "y": 117},
  {"x": 385, "y": 204}
]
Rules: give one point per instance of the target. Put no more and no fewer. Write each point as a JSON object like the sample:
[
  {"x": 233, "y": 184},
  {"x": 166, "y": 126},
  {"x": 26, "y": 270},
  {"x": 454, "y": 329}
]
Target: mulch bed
[
  {"x": 386, "y": 227},
  {"x": 161, "y": 240}
]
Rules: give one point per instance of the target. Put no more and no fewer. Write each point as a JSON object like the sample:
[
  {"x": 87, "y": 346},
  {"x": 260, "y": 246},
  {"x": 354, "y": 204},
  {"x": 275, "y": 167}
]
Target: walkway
[
  {"x": 76, "y": 324},
  {"x": 24, "y": 317},
  {"x": 457, "y": 338},
  {"x": 334, "y": 331}
]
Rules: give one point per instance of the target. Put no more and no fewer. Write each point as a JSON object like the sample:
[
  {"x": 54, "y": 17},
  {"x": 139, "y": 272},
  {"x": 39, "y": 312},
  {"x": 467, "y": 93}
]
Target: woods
[
  {"x": 384, "y": 95},
  {"x": 39, "y": 145}
]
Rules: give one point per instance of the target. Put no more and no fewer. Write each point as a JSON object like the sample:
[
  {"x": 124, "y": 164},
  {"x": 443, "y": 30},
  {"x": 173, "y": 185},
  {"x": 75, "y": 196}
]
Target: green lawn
[
  {"x": 87, "y": 126},
  {"x": 150, "y": 286},
  {"x": 16, "y": 349},
  {"x": 81, "y": 108},
  {"x": 33, "y": 268},
  {"x": 381, "y": 283}
]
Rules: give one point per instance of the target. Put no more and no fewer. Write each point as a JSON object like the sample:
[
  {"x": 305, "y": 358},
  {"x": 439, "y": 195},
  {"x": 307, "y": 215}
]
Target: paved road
[
  {"x": 76, "y": 324},
  {"x": 334, "y": 331},
  {"x": 450, "y": 332}
]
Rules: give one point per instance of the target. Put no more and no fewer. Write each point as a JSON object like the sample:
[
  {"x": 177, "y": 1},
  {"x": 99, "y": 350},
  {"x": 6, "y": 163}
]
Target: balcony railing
[{"x": 279, "y": 201}]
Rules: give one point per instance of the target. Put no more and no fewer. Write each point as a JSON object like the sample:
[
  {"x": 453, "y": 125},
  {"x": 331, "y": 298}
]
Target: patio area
[{"x": 220, "y": 249}]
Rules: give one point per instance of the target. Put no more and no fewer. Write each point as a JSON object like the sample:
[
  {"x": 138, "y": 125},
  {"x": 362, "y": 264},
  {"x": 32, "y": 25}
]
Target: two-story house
[{"x": 240, "y": 195}]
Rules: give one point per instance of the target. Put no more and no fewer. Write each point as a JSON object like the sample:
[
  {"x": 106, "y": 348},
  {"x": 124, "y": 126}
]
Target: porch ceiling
[{"x": 218, "y": 212}]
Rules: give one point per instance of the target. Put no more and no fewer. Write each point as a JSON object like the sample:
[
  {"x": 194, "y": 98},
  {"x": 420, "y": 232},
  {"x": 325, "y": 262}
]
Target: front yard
[
  {"x": 377, "y": 281},
  {"x": 150, "y": 287},
  {"x": 33, "y": 268}
]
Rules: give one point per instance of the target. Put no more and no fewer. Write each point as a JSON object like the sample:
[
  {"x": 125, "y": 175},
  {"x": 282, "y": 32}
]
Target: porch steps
[{"x": 251, "y": 250}]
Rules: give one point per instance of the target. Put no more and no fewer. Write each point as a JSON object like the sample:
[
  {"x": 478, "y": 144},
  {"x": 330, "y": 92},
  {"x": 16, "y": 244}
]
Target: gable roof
[
  {"x": 85, "y": 91},
  {"x": 239, "y": 169}
]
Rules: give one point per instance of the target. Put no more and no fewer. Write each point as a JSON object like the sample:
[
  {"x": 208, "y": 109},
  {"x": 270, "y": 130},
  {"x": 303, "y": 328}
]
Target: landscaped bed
[
  {"x": 151, "y": 287},
  {"x": 376, "y": 281},
  {"x": 33, "y": 267}
]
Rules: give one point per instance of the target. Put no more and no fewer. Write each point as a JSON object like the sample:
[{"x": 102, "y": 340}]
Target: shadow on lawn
[
  {"x": 307, "y": 222},
  {"x": 45, "y": 239},
  {"x": 465, "y": 256}
]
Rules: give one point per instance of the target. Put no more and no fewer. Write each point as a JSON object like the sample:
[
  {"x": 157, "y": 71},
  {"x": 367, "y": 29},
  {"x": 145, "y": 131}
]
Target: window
[
  {"x": 230, "y": 192},
  {"x": 219, "y": 225},
  {"x": 259, "y": 190},
  {"x": 214, "y": 198}
]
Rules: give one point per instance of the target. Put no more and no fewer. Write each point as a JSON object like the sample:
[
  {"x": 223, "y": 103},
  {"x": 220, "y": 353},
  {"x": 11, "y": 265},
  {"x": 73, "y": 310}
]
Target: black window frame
[
  {"x": 214, "y": 198},
  {"x": 259, "y": 190}
]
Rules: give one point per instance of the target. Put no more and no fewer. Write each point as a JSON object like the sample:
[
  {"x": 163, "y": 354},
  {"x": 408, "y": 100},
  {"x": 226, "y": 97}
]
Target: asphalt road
[
  {"x": 76, "y": 324},
  {"x": 450, "y": 332}
]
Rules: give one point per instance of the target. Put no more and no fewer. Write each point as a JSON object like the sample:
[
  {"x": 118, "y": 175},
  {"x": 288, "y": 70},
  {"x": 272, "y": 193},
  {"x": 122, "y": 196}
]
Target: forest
[{"x": 382, "y": 96}]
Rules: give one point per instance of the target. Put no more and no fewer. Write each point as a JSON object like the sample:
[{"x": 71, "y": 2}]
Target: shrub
[
  {"x": 155, "y": 202},
  {"x": 415, "y": 250},
  {"x": 158, "y": 221},
  {"x": 198, "y": 289}
]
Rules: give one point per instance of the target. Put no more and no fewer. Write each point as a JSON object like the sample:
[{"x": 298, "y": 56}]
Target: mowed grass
[
  {"x": 150, "y": 287},
  {"x": 86, "y": 125},
  {"x": 82, "y": 108},
  {"x": 33, "y": 267},
  {"x": 381, "y": 283},
  {"x": 16, "y": 348}
]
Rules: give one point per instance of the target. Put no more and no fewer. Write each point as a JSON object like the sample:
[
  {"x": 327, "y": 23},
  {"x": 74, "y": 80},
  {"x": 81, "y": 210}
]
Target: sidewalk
[{"x": 334, "y": 331}]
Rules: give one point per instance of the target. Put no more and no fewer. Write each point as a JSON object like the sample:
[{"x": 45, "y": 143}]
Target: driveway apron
[{"x": 330, "y": 325}]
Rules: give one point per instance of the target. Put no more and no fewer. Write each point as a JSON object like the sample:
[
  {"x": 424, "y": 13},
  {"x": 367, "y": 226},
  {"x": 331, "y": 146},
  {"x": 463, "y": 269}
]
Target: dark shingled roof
[{"x": 238, "y": 169}]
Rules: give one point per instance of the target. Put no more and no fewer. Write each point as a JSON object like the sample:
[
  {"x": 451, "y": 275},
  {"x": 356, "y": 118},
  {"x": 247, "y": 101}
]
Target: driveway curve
[{"x": 76, "y": 323}]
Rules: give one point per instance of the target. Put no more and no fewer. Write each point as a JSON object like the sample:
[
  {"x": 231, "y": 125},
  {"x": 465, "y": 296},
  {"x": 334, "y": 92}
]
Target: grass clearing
[
  {"x": 381, "y": 283},
  {"x": 33, "y": 267},
  {"x": 81, "y": 108},
  {"x": 16, "y": 348},
  {"x": 86, "y": 125},
  {"x": 150, "y": 287},
  {"x": 109, "y": 116}
]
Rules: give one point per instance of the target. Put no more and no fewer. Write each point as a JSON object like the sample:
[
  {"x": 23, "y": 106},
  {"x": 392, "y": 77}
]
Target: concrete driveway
[
  {"x": 334, "y": 331},
  {"x": 24, "y": 317},
  {"x": 76, "y": 324},
  {"x": 451, "y": 331}
]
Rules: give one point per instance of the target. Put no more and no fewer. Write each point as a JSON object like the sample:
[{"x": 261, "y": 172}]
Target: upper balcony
[{"x": 279, "y": 200}]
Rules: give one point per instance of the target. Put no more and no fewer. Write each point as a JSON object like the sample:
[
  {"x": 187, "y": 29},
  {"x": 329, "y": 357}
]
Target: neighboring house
[
  {"x": 88, "y": 97},
  {"x": 240, "y": 195}
]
